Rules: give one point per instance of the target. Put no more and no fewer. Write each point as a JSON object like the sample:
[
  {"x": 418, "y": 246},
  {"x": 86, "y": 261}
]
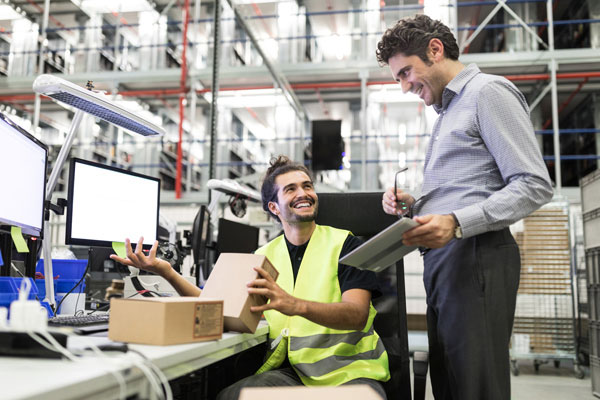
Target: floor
[{"x": 549, "y": 383}]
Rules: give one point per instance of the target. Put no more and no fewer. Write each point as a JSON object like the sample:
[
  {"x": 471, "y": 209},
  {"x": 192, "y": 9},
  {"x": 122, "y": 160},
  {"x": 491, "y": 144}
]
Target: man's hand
[
  {"x": 160, "y": 267},
  {"x": 280, "y": 300},
  {"x": 139, "y": 260},
  {"x": 434, "y": 232},
  {"x": 397, "y": 204},
  {"x": 350, "y": 313}
]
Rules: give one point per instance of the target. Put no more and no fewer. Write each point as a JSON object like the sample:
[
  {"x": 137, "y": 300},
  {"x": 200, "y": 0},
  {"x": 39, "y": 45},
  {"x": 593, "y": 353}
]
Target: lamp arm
[
  {"x": 46, "y": 243},
  {"x": 63, "y": 154}
]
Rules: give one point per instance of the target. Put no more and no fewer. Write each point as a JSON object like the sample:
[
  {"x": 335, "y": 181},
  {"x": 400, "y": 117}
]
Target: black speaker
[{"x": 327, "y": 145}]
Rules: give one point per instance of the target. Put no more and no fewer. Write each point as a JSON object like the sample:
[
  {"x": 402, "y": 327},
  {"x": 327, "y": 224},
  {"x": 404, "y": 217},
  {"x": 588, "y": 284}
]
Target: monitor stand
[
  {"x": 6, "y": 250},
  {"x": 6, "y": 244}
]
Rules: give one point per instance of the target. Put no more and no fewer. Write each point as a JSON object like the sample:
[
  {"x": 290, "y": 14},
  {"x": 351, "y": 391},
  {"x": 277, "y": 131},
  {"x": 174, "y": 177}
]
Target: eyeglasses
[{"x": 402, "y": 204}]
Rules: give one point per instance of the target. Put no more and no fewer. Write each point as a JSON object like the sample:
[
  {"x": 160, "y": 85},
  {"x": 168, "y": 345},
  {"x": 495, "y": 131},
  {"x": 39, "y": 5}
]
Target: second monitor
[
  {"x": 235, "y": 237},
  {"x": 108, "y": 204}
]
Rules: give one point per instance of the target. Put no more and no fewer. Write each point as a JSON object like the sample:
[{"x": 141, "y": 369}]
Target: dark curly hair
[
  {"x": 277, "y": 166},
  {"x": 411, "y": 36}
]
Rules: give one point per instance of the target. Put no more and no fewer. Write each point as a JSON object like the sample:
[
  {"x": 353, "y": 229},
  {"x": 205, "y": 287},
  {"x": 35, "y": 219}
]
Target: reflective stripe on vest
[{"x": 320, "y": 355}]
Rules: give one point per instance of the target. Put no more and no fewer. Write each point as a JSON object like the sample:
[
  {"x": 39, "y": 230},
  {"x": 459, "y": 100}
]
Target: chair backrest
[{"x": 361, "y": 213}]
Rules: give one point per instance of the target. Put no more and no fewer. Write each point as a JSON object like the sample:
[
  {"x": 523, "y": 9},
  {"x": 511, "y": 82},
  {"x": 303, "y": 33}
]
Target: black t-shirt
[{"x": 348, "y": 277}]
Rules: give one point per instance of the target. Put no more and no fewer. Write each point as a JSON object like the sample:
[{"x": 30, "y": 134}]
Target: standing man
[{"x": 483, "y": 171}]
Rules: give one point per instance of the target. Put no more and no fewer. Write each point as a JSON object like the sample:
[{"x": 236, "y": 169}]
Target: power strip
[{"x": 20, "y": 344}]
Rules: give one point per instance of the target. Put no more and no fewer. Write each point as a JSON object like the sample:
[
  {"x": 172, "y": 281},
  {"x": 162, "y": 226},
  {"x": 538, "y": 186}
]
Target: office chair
[{"x": 361, "y": 213}]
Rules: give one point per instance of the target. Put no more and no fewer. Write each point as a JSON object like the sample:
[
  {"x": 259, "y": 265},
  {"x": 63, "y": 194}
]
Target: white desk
[{"x": 30, "y": 378}]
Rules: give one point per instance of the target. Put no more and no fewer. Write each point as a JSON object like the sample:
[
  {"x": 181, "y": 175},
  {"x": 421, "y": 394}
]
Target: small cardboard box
[
  {"x": 228, "y": 281},
  {"x": 165, "y": 320},
  {"x": 347, "y": 392}
]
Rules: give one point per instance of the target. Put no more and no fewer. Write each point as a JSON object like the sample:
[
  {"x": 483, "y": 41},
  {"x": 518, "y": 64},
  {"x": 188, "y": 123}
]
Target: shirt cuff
[{"x": 472, "y": 220}]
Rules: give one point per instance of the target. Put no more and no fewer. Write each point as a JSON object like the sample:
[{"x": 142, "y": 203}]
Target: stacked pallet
[{"x": 544, "y": 314}]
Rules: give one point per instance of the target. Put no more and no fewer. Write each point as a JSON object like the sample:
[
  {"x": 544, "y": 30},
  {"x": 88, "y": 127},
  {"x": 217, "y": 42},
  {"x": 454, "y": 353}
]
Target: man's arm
[
  {"x": 506, "y": 129},
  {"x": 351, "y": 313},
  {"x": 160, "y": 267}
]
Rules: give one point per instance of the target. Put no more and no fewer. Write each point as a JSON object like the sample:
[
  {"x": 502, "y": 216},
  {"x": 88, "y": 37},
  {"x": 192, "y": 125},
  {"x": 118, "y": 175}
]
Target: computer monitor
[
  {"x": 235, "y": 237},
  {"x": 200, "y": 238},
  {"x": 108, "y": 204},
  {"x": 23, "y": 162}
]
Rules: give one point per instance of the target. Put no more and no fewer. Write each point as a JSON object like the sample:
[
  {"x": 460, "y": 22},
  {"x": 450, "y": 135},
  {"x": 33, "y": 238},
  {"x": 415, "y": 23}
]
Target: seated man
[{"x": 319, "y": 312}]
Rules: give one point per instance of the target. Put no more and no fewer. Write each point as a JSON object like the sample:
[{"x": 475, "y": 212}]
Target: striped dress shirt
[{"x": 483, "y": 162}]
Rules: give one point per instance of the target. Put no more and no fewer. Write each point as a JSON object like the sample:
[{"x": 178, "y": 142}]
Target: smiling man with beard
[{"x": 319, "y": 312}]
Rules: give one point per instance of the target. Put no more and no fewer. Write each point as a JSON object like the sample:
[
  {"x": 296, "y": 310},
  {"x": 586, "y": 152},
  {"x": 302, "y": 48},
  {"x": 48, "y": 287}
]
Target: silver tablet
[{"x": 383, "y": 249}]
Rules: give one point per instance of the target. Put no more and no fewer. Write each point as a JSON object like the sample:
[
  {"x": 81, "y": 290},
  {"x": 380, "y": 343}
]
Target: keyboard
[{"x": 83, "y": 324}]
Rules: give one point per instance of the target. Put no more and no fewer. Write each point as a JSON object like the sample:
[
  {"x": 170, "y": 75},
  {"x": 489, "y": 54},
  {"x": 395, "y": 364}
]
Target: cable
[
  {"x": 87, "y": 267},
  {"x": 161, "y": 376},
  {"x": 99, "y": 309},
  {"x": 17, "y": 270},
  {"x": 153, "y": 374},
  {"x": 59, "y": 349},
  {"x": 53, "y": 345},
  {"x": 155, "y": 377}
]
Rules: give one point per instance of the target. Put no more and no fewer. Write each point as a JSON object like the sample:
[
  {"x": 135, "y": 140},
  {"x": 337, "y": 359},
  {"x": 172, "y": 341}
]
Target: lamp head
[
  {"x": 232, "y": 188},
  {"x": 97, "y": 104}
]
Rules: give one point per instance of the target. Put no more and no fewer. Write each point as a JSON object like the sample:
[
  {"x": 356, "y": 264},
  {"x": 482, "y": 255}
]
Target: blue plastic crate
[
  {"x": 8, "y": 291},
  {"x": 33, "y": 290},
  {"x": 60, "y": 286},
  {"x": 64, "y": 269},
  {"x": 41, "y": 287},
  {"x": 65, "y": 285}
]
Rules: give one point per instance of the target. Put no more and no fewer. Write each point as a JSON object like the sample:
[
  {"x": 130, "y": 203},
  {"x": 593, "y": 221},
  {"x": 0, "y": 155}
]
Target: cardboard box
[
  {"x": 165, "y": 320},
  {"x": 228, "y": 281},
  {"x": 347, "y": 392}
]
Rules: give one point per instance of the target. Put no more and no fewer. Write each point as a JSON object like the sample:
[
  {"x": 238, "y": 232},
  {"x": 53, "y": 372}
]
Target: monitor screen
[
  {"x": 23, "y": 161},
  {"x": 235, "y": 237},
  {"x": 108, "y": 204}
]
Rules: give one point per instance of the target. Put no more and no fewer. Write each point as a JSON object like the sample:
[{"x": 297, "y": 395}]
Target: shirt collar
[
  {"x": 456, "y": 85},
  {"x": 292, "y": 246}
]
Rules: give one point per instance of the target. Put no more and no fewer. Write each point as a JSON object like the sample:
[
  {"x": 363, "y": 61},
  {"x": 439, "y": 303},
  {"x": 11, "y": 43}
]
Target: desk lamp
[
  {"x": 84, "y": 101},
  {"x": 239, "y": 194}
]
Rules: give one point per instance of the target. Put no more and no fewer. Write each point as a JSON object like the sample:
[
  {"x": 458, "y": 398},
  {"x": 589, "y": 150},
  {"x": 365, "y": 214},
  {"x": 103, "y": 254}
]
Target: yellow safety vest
[{"x": 320, "y": 355}]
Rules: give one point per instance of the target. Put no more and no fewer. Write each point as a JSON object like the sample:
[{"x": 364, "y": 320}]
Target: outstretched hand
[
  {"x": 279, "y": 299},
  {"x": 139, "y": 260}
]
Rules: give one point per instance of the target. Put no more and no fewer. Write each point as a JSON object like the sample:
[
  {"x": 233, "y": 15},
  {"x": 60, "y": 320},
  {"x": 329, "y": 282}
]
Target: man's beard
[{"x": 306, "y": 218}]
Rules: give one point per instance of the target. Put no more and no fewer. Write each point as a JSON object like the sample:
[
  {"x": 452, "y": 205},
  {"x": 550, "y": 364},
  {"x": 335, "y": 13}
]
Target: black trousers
[{"x": 471, "y": 287}]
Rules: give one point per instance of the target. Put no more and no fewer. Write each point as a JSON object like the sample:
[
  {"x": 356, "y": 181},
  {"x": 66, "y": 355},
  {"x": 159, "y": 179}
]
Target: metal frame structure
[{"x": 359, "y": 74}]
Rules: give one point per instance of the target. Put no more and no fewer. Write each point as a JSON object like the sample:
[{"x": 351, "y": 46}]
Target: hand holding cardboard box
[{"x": 228, "y": 281}]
